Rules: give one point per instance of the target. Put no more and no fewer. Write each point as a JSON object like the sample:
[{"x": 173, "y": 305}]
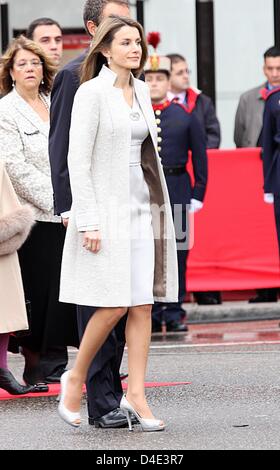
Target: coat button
[
  {"x": 158, "y": 112},
  {"x": 158, "y": 121},
  {"x": 159, "y": 140},
  {"x": 159, "y": 149},
  {"x": 159, "y": 130}
]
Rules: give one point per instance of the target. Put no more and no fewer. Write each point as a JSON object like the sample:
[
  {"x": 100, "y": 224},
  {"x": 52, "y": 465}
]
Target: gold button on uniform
[
  {"x": 159, "y": 130},
  {"x": 158, "y": 112},
  {"x": 158, "y": 121},
  {"x": 159, "y": 140}
]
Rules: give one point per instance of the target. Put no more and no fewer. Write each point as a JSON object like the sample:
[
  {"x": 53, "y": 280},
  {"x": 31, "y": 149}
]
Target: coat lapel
[
  {"x": 23, "y": 107},
  {"x": 145, "y": 103},
  {"x": 148, "y": 112}
]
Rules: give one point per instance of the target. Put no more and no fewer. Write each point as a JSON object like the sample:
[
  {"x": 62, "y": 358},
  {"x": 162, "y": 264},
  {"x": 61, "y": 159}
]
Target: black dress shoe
[
  {"x": 38, "y": 386},
  {"x": 265, "y": 295},
  {"x": 11, "y": 385},
  {"x": 113, "y": 419},
  {"x": 55, "y": 377},
  {"x": 260, "y": 299},
  {"x": 208, "y": 298},
  {"x": 176, "y": 327}
]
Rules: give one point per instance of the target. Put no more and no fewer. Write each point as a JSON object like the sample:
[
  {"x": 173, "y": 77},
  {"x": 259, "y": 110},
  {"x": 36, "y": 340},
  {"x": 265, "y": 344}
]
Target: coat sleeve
[
  {"x": 28, "y": 181},
  {"x": 212, "y": 126},
  {"x": 269, "y": 145},
  {"x": 239, "y": 125},
  {"x": 63, "y": 93},
  {"x": 84, "y": 126},
  {"x": 199, "y": 158}
]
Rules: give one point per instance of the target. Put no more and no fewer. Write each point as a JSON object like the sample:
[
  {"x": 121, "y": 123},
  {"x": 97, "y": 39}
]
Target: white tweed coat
[
  {"x": 98, "y": 159},
  {"x": 24, "y": 150}
]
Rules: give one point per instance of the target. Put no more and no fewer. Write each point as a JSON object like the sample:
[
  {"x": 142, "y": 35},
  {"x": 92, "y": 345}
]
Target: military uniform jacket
[{"x": 179, "y": 132}]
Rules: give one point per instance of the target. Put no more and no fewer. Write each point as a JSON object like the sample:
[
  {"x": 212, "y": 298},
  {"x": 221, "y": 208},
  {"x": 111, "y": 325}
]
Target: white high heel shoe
[
  {"x": 74, "y": 419},
  {"x": 146, "y": 424}
]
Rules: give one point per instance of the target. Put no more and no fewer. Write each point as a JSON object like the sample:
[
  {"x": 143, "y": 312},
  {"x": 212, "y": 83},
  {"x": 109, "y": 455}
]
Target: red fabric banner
[{"x": 235, "y": 240}]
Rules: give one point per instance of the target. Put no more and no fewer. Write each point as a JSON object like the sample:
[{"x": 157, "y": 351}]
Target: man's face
[
  {"x": 180, "y": 77},
  {"x": 159, "y": 84},
  {"x": 272, "y": 70},
  {"x": 49, "y": 37}
]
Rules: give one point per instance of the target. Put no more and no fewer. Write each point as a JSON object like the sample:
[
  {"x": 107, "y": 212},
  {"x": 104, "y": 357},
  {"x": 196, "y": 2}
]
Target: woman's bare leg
[
  {"x": 138, "y": 338},
  {"x": 98, "y": 328}
]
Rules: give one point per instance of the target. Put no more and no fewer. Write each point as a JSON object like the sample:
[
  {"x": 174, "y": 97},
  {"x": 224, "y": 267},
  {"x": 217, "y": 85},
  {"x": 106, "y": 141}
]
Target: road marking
[{"x": 209, "y": 345}]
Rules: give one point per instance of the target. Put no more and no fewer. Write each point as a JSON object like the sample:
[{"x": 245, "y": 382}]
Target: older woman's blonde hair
[
  {"x": 7, "y": 63},
  {"x": 103, "y": 38}
]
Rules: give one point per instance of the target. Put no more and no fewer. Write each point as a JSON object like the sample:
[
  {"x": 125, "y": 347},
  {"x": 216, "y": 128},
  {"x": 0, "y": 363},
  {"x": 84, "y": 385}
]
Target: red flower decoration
[{"x": 154, "y": 39}]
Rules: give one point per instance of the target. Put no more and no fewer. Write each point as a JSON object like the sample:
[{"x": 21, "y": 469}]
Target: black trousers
[
  {"x": 173, "y": 312},
  {"x": 53, "y": 323},
  {"x": 104, "y": 388}
]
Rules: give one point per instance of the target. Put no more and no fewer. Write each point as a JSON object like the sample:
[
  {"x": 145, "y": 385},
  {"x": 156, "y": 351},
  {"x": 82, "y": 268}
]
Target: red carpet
[{"x": 55, "y": 390}]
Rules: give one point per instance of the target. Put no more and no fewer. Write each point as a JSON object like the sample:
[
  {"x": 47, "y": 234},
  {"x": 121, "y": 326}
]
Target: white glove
[
  {"x": 195, "y": 206},
  {"x": 269, "y": 198}
]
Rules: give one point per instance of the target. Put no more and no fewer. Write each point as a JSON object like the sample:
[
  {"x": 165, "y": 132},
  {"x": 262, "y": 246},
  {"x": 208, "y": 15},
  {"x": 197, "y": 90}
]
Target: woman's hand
[{"x": 92, "y": 241}]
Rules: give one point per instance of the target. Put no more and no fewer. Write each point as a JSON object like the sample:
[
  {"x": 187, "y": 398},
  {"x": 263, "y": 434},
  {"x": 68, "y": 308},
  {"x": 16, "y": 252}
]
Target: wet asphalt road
[{"x": 231, "y": 403}]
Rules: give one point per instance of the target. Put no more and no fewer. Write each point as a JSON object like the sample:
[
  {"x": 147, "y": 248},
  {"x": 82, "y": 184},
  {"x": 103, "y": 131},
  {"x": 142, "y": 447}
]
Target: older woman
[{"x": 26, "y": 79}]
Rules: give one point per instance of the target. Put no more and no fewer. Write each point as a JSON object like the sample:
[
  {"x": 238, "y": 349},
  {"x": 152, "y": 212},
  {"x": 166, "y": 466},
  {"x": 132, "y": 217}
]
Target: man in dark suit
[
  {"x": 248, "y": 128},
  {"x": 271, "y": 154},
  {"x": 178, "y": 132},
  {"x": 201, "y": 105},
  {"x": 103, "y": 383}
]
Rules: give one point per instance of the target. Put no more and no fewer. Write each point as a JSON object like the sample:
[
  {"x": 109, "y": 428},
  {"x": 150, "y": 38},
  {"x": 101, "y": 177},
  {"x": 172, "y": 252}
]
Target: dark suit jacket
[
  {"x": 271, "y": 144},
  {"x": 66, "y": 84},
  {"x": 206, "y": 114}
]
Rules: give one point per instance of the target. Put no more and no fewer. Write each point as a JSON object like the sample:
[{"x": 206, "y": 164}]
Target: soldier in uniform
[
  {"x": 201, "y": 105},
  {"x": 271, "y": 154},
  {"x": 178, "y": 132}
]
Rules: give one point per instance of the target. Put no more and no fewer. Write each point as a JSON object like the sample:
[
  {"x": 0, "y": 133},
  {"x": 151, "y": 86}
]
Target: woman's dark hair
[
  {"x": 104, "y": 36},
  {"x": 7, "y": 64}
]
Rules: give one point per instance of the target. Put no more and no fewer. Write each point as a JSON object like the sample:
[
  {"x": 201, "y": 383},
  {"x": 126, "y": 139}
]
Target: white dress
[{"x": 142, "y": 238}]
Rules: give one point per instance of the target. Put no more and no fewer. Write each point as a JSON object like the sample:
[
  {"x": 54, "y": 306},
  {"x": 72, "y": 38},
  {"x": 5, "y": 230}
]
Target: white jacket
[
  {"x": 24, "y": 150},
  {"x": 98, "y": 160}
]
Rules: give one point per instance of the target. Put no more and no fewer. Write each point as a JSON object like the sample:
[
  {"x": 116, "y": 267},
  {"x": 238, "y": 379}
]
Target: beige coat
[
  {"x": 98, "y": 160},
  {"x": 12, "y": 304}
]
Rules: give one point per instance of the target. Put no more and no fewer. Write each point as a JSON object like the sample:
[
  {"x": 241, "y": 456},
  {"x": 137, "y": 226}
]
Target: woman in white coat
[{"x": 120, "y": 249}]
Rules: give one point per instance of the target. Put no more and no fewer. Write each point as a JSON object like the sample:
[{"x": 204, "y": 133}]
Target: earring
[
  {"x": 109, "y": 60},
  {"x": 42, "y": 82},
  {"x": 13, "y": 84}
]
